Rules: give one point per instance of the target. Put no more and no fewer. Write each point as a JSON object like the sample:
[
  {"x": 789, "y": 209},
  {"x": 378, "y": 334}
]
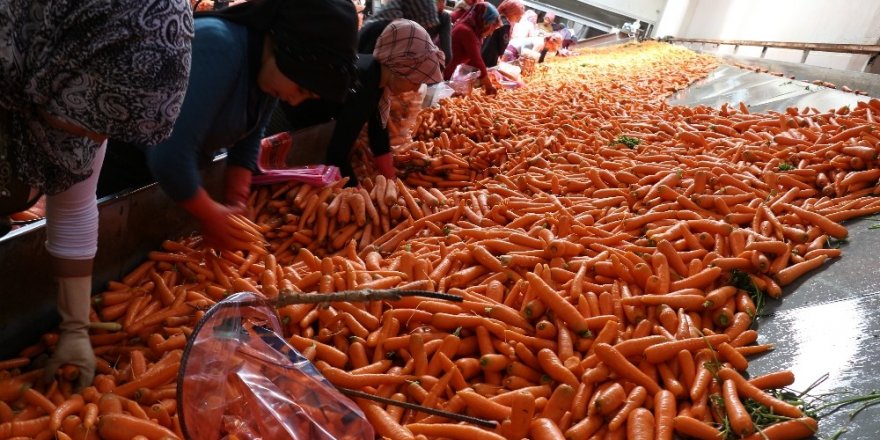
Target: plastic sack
[
  {"x": 463, "y": 79},
  {"x": 240, "y": 380},
  {"x": 277, "y": 152}
]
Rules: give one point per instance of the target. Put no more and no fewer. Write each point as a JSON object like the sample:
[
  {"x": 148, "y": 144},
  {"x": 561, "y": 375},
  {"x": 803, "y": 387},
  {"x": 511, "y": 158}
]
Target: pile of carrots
[{"x": 608, "y": 247}]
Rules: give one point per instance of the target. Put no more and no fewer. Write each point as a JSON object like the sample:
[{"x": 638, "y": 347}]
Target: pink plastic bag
[{"x": 272, "y": 163}]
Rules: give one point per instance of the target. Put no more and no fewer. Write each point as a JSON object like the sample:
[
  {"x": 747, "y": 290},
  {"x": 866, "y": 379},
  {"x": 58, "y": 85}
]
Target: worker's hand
[
  {"x": 385, "y": 164},
  {"x": 489, "y": 89},
  {"x": 74, "y": 348},
  {"x": 238, "y": 187},
  {"x": 217, "y": 231}
]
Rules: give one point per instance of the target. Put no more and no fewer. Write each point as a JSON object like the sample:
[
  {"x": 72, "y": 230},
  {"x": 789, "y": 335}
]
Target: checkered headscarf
[{"x": 407, "y": 50}]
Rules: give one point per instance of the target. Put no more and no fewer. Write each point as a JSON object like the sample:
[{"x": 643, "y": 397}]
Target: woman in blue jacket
[{"x": 246, "y": 58}]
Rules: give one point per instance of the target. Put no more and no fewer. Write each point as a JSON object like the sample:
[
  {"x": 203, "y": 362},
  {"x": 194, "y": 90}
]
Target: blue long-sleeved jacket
[{"x": 223, "y": 108}]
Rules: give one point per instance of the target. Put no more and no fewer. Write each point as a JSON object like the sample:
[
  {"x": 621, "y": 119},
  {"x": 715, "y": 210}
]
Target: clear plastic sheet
[{"x": 239, "y": 379}]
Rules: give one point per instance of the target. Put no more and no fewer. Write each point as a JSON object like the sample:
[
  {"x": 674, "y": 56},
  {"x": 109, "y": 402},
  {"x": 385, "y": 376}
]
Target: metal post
[
  {"x": 805, "y": 55},
  {"x": 763, "y": 51},
  {"x": 735, "y": 48}
]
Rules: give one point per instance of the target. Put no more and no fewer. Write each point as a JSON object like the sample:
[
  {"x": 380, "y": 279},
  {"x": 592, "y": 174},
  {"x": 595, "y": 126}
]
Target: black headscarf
[{"x": 313, "y": 40}]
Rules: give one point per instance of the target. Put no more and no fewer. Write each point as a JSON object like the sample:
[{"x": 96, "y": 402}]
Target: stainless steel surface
[
  {"x": 132, "y": 223},
  {"x": 829, "y": 321},
  {"x": 866, "y": 82},
  {"x": 605, "y": 40},
  {"x": 867, "y": 49},
  {"x": 761, "y": 92}
]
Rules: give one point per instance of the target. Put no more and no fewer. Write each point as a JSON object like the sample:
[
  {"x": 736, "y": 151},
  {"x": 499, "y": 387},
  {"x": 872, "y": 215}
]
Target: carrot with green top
[
  {"x": 802, "y": 427},
  {"x": 740, "y": 421},
  {"x": 747, "y": 390}
]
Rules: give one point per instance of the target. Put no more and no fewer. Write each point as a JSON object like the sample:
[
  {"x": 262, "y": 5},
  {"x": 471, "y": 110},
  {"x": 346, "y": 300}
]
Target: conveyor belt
[{"x": 828, "y": 322}]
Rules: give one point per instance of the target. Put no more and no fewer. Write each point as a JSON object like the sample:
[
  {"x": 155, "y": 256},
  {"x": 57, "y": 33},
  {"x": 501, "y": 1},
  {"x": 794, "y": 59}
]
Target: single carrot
[
  {"x": 802, "y": 427},
  {"x": 640, "y": 425},
  {"x": 453, "y": 431},
  {"x": 775, "y": 380},
  {"x": 747, "y": 390},
  {"x": 788, "y": 275},
  {"x": 729, "y": 354},
  {"x": 34, "y": 397},
  {"x": 554, "y": 368},
  {"x": 664, "y": 412},
  {"x": 563, "y": 309},
  {"x": 696, "y": 429},
  {"x": 667, "y": 350},
  {"x": 616, "y": 360},
  {"x": 740, "y": 421},
  {"x": 608, "y": 400},
  {"x": 72, "y": 405},
  {"x": 25, "y": 428},
  {"x": 522, "y": 411},
  {"x": 124, "y": 427},
  {"x": 544, "y": 429},
  {"x": 384, "y": 424}
]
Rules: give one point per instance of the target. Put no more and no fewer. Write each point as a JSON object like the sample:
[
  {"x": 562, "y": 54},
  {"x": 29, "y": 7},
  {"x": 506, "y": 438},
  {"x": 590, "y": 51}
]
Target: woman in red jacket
[{"x": 467, "y": 41}]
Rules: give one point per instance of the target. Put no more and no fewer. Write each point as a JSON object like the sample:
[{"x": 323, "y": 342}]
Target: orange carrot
[
  {"x": 124, "y": 427},
  {"x": 618, "y": 362},
  {"x": 803, "y": 427},
  {"x": 453, "y": 431},
  {"x": 551, "y": 364},
  {"x": 664, "y": 351},
  {"x": 747, "y": 390},
  {"x": 70, "y": 406},
  {"x": 634, "y": 400},
  {"x": 640, "y": 425},
  {"x": 740, "y": 421},
  {"x": 664, "y": 412},
  {"x": 696, "y": 429},
  {"x": 775, "y": 380},
  {"x": 788, "y": 275},
  {"x": 383, "y": 423},
  {"x": 563, "y": 309}
]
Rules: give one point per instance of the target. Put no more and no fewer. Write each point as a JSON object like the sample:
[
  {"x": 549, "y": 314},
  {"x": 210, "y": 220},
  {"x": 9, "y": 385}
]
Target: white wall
[
  {"x": 812, "y": 21},
  {"x": 647, "y": 10}
]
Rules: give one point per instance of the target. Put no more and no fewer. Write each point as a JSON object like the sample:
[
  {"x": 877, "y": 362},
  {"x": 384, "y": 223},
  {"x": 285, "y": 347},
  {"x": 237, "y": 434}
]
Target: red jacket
[{"x": 466, "y": 49}]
